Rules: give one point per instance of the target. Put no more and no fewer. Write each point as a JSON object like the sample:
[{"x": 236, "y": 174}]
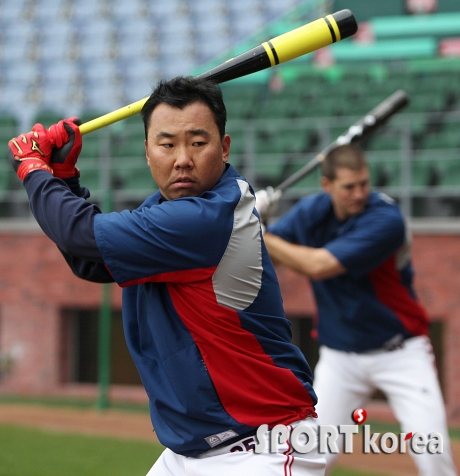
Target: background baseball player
[
  {"x": 354, "y": 245},
  {"x": 202, "y": 308}
]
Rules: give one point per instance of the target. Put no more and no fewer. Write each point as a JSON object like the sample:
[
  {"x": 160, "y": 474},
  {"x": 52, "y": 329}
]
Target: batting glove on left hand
[{"x": 31, "y": 151}]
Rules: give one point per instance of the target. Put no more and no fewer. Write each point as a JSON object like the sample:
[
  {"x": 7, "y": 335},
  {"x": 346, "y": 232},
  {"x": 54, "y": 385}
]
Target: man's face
[
  {"x": 184, "y": 150},
  {"x": 349, "y": 191}
]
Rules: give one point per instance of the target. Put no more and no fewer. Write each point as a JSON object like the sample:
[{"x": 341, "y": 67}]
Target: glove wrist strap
[
  {"x": 65, "y": 171},
  {"x": 29, "y": 165}
]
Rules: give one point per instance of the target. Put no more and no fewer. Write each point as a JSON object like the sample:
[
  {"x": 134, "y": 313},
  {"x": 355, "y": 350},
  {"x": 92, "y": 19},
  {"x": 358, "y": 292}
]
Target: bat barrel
[
  {"x": 285, "y": 47},
  {"x": 374, "y": 119},
  {"x": 391, "y": 105},
  {"x": 365, "y": 126},
  {"x": 290, "y": 45}
]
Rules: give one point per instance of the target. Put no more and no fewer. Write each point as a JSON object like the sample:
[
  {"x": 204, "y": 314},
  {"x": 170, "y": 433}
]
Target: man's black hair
[{"x": 182, "y": 91}]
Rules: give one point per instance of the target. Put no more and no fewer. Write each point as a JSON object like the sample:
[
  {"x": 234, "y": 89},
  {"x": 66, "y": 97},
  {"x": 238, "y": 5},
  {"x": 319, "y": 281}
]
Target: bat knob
[{"x": 346, "y": 22}]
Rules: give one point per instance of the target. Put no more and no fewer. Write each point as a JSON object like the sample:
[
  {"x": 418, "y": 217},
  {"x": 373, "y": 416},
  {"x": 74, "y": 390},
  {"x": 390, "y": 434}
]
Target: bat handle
[
  {"x": 305, "y": 170},
  {"x": 111, "y": 117}
]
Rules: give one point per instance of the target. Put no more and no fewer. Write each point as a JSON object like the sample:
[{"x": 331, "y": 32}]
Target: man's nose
[
  {"x": 359, "y": 192},
  {"x": 183, "y": 158}
]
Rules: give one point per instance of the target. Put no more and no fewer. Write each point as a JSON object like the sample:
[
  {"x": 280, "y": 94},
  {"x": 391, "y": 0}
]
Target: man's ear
[
  {"x": 226, "y": 147},
  {"x": 146, "y": 153},
  {"x": 325, "y": 183}
]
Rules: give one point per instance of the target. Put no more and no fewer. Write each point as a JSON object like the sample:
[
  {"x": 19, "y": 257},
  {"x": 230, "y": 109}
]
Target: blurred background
[
  {"x": 63, "y": 336},
  {"x": 60, "y": 58}
]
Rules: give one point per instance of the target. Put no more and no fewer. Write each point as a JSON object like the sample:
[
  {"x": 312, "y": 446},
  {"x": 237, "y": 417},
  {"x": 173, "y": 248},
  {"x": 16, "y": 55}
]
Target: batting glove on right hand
[
  {"x": 267, "y": 202},
  {"x": 65, "y": 136}
]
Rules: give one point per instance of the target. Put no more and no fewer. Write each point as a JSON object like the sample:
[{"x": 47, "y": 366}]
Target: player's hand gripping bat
[
  {"x": 267, "y": 199},
  {"x": 290, "y": 45}
]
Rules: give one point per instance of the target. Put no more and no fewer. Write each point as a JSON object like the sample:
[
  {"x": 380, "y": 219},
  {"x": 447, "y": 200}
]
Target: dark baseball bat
[
  {"x": 361, "y": 129},
  {"x": 290, "y": 45}
]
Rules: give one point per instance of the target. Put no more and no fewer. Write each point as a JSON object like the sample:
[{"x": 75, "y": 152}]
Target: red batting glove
[
  {"x": 31, "y": 151},
  {"x": 65, "y": 136}
]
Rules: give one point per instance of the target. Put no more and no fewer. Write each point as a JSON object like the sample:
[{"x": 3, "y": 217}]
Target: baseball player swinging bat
[
  {"x": 364, "y": 127},
  {"x": 290, "y": 45}
]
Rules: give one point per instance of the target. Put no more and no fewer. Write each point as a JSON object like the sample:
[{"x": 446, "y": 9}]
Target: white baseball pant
[
  {"x": 344, "y": 381},
  {"x": 245, "y": 462}
]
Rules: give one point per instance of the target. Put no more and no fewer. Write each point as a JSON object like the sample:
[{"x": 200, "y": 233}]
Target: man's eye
[
  {"x": 166, "y": 145},
  {"x": 199, "y": 143}
]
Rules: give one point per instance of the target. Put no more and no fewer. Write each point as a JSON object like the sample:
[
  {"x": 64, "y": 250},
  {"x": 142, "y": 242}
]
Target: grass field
[
  {"x": 37, "y": 452},
  {"x": 33, "y": 452}
]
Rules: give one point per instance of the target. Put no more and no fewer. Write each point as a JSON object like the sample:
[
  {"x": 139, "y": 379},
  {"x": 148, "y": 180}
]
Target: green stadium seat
[
  {"x": 423, "y": 103},
  {"x": 132, "y": 174},
  {"x": 241, "y": 91},
  {"x": 449, "y": 168},
  {"x": 237, "y": 160},
  {"x": 92, "y": 145},
  {"x": 268, "y": 142},
  {"x": 275, "y": 107},
  {"x": 384, "y": 170},
  {"x": 241, "y": 108},
  {"x": 127, "y": 138},
  {"x": 304, "y": 87},
  {"x": 440, "y": 24},
  {"x": 294, "y": 140},
  {"x": 436, "y": 168},
  {"x": 451, "y": 127},
  {"x": 384, "y": 142},
  {"x": 424, "y": 173},
  {"x": 388, "y": 49},
  {"x": 441, "y": 140},
  {"x": 89, "y": 173},
  {"x": 128, "y": 145},
  {"x": 269, "y": 169},
  {"x": 7, "y": 176},
  {"x": 237, "y": 143},
  {"x": 237, "y": 146},
  {"x": 311, "y": 181},
  {"x": 321, "y": 107},
  {"x": 8, "y": 122},
  {"x": 8, "y": 130},
  {"x": 418, "y": 124}
]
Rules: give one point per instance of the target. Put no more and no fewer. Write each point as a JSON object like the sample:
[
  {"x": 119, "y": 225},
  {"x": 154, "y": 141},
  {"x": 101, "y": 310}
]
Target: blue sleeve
[
  {"x": 299, "y": 223},
  {"x": 296, "y": 224},
  {"x": 374, "y": 236},
  {"x": 68, "y": 220},
  {"x": 184, "y": 234}
]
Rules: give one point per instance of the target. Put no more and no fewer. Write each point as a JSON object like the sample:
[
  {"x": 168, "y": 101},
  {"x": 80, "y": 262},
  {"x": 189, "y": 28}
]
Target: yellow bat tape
[
  {"x": 303, "y": 40},
  {"x": 285, "y": 47}
]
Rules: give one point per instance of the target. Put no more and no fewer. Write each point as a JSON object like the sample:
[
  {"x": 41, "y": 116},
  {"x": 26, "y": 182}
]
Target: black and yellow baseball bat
[{"x": 285, "y": 47}]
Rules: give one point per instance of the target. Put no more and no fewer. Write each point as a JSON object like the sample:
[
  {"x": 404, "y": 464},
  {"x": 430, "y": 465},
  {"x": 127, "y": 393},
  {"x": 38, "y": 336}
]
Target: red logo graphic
[
  {"x": 408, "y": 436},
  {"x": 359, "y": 416}
]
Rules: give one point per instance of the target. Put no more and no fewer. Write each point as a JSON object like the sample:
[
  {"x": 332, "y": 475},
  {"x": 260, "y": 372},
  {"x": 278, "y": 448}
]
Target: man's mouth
[{"x": 183, "y": 180}]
